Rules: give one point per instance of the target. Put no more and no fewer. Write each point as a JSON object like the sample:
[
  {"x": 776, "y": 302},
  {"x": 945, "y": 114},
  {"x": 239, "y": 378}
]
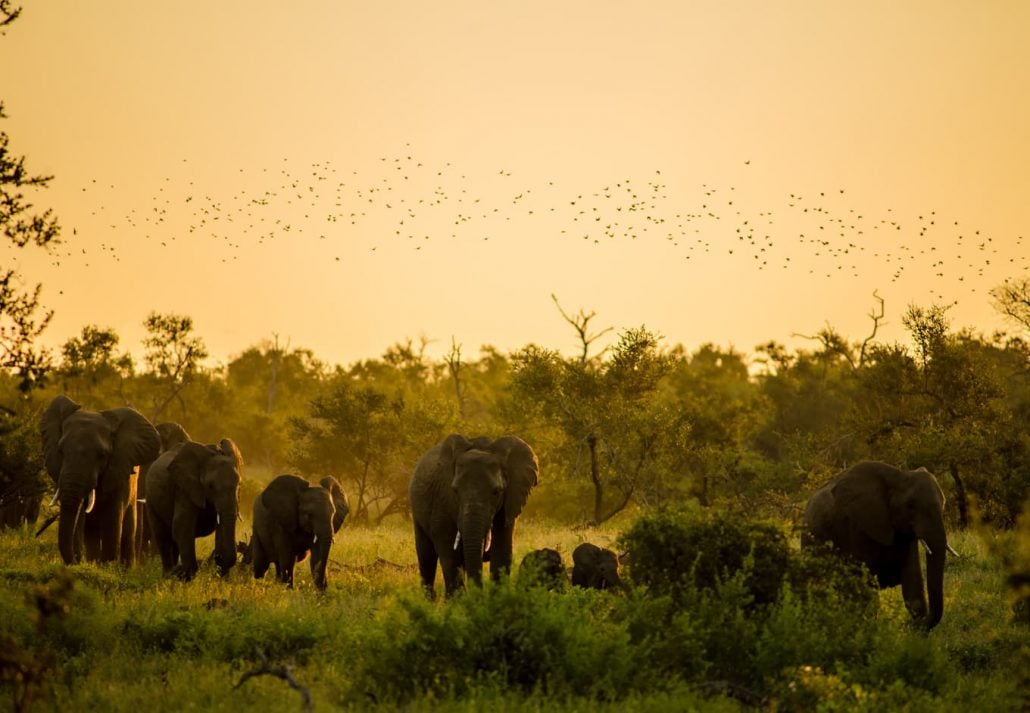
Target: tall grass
[{"x": 131, "y": 639}]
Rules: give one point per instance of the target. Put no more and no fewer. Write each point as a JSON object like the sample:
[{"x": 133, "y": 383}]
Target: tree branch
[{"x": 285, "y": 672}]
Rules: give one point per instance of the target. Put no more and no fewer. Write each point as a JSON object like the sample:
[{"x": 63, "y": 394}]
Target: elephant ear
[
  {"x": 340, "y": 501},
  {"x": 172, "y": 434},
  {"x": 452, "y": 447},
  {"x": 51, "y": 426},
  {"x": 228, "y": 447},
  {"x": 282, "y": 499},
  {"x": 186, "y": 469},
  {"x": 521, "y": 471},
  {"x": 135, "y": 442},
  {"x": 862, "y": 495}
]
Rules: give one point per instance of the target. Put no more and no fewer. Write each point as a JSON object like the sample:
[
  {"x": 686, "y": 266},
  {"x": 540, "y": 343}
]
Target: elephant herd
[{"x": 126, "y": 487}]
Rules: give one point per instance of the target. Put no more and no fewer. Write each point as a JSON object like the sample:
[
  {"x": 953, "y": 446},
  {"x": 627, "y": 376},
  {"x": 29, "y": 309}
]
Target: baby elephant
[
  {"x": 293, "y": 517},
  {"x": 595, "y": 568},
  {"x": 543, "y": 567}
]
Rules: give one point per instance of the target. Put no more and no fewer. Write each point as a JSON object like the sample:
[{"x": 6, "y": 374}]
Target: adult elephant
[
  {"x": 462, "y": 493},
  {"x": 93, "y": 458},
  {"x": 171, "y": 434},
  {"x": 193, "y": 490},
  {"x": 292, "y": 518},
  {"x": 878, "y": 514}
]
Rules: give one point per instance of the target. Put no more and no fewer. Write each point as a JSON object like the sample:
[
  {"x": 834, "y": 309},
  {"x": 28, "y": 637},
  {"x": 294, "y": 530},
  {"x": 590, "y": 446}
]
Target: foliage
[
  {"x": 173, "y": 356},
  {"x": 674, "y": 552},
  {"x": 22, "y": 482},
  {"x": 131, "y": 638},
  {"x": 613, "y": 409}
]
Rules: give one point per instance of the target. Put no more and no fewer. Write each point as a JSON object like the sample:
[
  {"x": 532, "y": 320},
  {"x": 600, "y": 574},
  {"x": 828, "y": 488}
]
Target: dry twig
[{"x": 283, "y": 671}]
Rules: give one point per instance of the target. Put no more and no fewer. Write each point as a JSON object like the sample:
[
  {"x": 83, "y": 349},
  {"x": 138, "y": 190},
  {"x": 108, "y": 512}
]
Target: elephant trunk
[
  {"x": 935, "y": 582},
  {"x": 71, "y": 510},
  {"x": 225, "y": 536},
  {"x": 320, "y": 555},
  {"x": 473, "y": 528}
]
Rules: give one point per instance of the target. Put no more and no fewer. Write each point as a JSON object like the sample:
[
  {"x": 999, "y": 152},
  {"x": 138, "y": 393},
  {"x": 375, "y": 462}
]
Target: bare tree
[
  {"x": 581, "y": 323},
  {"x": 1012, "y": 299}
]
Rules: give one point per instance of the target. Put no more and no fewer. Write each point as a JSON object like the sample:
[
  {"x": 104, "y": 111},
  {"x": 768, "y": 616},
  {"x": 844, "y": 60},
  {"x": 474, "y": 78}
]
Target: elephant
[
  {"x": 171, "y": 434},
  {"x": 292, "y": 517},
  {"x": 595, "y": 567},
  {"x": 463, "y": 493},
  {"x": 93, "y": 458},
  {"x": 543, "y": 567},
  {"x": 877, "y": 514},
  {"x": 193, "y": 490}
]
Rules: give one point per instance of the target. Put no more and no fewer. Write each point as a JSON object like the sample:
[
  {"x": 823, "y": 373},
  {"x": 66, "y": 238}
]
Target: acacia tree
[
  {"x": 370, "y": 425},
  {"x": 89, "y": 364},
  {"x": 612, "y": 410},
  {"x": 1012, "y": 299},
  {"x": 21, "y": 318},
  {"x": 173, "y": 356}
]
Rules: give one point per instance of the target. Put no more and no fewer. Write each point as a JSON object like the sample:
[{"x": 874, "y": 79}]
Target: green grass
[{"x": 131, "y": 640}]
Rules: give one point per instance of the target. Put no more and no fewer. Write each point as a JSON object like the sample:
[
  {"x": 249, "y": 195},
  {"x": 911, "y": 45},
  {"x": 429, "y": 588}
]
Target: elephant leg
[
  {"x": 184, "y": 528},
  {"x": 113, "y": 518},
  {"x": 501, "y": 546},
  {"x": 162, "y": 535},
  {"x": 91, "y": 533},
  {"x": 912, "y": 582},
  {"x": 453, "y": 579},
  {"x": 129, "y": 526},
  {"x": 426, "y": 559},
  {"x": 259, "y": 557},
  {"x": 284, "y": 557}
]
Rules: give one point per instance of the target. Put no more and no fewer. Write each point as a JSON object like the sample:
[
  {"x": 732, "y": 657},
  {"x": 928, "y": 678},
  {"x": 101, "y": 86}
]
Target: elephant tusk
[
  {"x": 54, "y": 499},
  {"x": 92, "y": 501},
  {"x": 952, "y": 551},
  {"x": 457, "y": 539},
  {"x": 314, "y": 540},
  {"x": 927, "y": 547},
  {"x": 218, "y": 519}
]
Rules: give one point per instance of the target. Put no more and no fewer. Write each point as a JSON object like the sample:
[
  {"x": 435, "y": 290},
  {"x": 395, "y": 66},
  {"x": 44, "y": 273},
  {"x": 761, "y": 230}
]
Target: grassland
[{"x": 132, "y": 641}]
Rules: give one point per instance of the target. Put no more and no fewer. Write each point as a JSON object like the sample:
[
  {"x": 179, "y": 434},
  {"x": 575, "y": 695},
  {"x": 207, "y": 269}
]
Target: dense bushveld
[
  {"x": 622, "y": 434},
  {"x": 799, "y": 635}
]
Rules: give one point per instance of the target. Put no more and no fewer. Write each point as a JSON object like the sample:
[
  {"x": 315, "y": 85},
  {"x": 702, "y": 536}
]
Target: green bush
[
  {"x": 498, "y": 636},
  {"x": 674, "y": 551}
]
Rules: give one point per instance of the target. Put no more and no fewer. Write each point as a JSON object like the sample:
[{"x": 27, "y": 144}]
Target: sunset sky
[{"x": 346, "y": 175}]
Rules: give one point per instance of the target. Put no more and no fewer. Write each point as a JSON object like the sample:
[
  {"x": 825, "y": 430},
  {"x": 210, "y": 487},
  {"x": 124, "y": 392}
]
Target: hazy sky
[{"x": 350, "y": 174}]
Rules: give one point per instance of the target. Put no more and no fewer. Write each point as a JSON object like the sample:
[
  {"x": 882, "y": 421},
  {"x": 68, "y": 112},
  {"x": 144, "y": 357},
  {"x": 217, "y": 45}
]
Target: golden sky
[{"x": 347, "y": 175}]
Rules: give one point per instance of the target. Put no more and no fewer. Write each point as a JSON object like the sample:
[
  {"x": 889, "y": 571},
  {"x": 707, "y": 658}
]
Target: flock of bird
[{"x": 404, "y": 199}]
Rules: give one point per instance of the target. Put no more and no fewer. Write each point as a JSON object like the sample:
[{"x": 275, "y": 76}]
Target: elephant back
[
  {"x": 160, "y": 487},
  {"x": 430, "y": 483}
]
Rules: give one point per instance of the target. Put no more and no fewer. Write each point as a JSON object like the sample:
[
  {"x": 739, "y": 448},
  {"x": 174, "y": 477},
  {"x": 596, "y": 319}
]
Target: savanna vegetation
[{"x": 698, "y": 461}]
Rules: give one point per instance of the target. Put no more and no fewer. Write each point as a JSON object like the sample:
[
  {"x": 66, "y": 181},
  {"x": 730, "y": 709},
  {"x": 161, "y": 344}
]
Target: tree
[
  {"x": 268, "y": 384},
  {"x": 21, "y": 321},
  {"x": 1012, "y": 299},
  {"x": 369, "y": 438},
  {"x": 611, "y": 409},
  {"x": 89, "y": 363},
  {"x": 173, "y": 355}
]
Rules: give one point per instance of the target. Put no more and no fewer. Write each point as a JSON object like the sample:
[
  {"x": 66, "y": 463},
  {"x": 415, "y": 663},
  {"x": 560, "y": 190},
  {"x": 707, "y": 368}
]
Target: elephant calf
[
  {"x": 292, "y": 517},
  {"x": 594, "y": 567},
  {"x": 543, "y": 567}
]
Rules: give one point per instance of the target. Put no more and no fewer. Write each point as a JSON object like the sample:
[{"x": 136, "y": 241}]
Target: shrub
[
  {"x": 674, "y": 551},
  {"x": 498, "y": 636}
]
